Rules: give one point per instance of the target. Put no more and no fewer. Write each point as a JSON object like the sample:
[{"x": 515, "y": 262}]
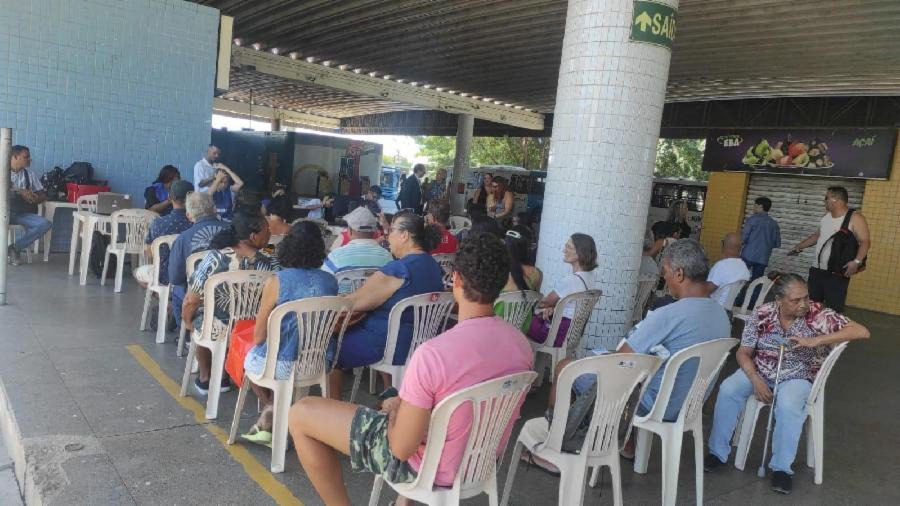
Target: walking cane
[{"x": 761, "y": 472}]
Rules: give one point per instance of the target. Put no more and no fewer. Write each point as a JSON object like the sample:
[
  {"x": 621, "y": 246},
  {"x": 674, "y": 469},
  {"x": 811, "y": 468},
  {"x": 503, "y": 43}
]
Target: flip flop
[
  {"x": 258, "y": 436},
  {"x": 540, "y": 464}
]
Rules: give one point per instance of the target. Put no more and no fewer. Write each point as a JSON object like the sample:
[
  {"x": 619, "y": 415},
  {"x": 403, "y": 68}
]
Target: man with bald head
[{"x": 730, "y": 269}]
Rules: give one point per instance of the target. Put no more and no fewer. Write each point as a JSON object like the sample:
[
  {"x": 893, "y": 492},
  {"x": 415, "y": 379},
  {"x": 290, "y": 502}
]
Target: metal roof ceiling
[{"x": 510, "y": 50}]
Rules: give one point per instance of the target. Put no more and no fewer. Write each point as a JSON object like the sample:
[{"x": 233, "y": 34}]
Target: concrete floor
[{"x": 93, "y": 426}]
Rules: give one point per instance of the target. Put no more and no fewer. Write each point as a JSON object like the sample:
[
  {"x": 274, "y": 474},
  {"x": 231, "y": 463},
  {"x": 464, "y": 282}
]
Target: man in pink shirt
[{"x": 390, "y": 442}]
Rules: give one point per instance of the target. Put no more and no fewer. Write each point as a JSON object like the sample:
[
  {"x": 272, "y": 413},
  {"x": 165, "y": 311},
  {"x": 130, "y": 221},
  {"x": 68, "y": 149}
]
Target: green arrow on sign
[
  {"x": 653, "y": 22},
  {"x": 644, "y": 21}
]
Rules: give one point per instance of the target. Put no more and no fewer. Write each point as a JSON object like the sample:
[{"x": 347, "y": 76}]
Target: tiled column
[
  {"x": 461, "y": 170},
  {"x": 609, "y": 104}
]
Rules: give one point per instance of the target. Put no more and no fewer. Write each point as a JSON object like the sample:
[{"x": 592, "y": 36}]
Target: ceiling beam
[
  {"x": 385, "y": 89},
  {"x": 243, "y": 110}
]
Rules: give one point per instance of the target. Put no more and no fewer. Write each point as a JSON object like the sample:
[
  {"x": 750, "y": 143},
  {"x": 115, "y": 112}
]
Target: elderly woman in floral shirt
[{"x": 809, "y": 330}]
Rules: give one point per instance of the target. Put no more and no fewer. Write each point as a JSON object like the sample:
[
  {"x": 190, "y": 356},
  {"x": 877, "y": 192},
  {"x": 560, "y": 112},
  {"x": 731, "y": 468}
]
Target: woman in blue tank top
[{"x": 413, "y": 272}]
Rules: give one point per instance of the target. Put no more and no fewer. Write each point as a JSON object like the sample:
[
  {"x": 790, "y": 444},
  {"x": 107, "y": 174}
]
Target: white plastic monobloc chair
[
  {"x": 743, "y": 311},
  {"x": 190, "y": 265},
  {"x": 459, "y": 223},
  {"x": 85, "y": 203},
  {"x": 815, "y": 411},
  {"x": 493, "y": 404},
  {"x": 617, "y": 377},
  {"x": 518, "y": 306},
  {"x": 350, "y": 280},
  {"x": 318, "y": 319},
  {"x": 584, "y": 306},
  {"x": 646, "y": 284},
  {"x": 730, "y": 291},
  {"x": 162, "y": 291},
  {"x": 241, "y": 291},
  {"x": 136, "y": 223},
  {"x": 711, "y": 356},
  {"x": 430, "y": 312},
  {"x": 446, "y": 260}
]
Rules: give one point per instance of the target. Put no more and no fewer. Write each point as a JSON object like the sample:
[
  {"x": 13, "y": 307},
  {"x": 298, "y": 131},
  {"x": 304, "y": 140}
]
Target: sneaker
[
  {"x": 782, "y": 482},
  {"x": 202, "y": 387},
  {"x": 225, "y": 385},
  {"x": 13, "y": 255},
  {"x": 712, "y": 463}
]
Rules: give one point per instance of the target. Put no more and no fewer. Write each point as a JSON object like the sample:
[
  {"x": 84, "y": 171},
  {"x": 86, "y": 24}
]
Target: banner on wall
[{"x": 849, "y": 153}]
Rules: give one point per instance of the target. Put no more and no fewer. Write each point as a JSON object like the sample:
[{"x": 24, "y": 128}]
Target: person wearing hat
[
  {"x": 175, "y": 222},
  {"x": 362, "y": 251}
]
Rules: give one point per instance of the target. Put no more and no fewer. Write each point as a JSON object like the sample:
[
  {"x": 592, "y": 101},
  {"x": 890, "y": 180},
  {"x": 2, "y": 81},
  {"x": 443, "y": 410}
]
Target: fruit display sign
[{"x": 852, "y": 153}]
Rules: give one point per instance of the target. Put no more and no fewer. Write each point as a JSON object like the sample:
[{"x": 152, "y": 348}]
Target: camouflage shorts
[{"x": 369, "y": 448}]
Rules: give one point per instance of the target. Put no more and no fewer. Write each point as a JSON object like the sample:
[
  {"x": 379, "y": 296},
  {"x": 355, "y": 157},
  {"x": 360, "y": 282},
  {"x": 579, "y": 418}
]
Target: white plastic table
[
  {"x": 50, "y": 208},
  {"x": 90, "y": 222}
]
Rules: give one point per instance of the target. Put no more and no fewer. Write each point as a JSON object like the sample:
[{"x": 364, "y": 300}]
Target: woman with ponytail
[{"x": 413, "y": 272}]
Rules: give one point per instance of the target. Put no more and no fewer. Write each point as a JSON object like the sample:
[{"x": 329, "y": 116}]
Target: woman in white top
[{"x": 581, "y": 253}]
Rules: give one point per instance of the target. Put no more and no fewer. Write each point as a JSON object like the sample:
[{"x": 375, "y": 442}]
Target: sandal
[
  {"x": 258, "y": 436},
  {"x": 540, "y": 463}
]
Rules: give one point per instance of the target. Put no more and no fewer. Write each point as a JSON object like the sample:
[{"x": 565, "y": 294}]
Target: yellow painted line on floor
[{"x": 256, "y": 471}]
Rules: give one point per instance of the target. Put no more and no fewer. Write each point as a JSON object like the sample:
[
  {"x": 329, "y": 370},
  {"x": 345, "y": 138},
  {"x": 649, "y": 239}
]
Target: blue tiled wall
[{"x": 124, "y": 84}]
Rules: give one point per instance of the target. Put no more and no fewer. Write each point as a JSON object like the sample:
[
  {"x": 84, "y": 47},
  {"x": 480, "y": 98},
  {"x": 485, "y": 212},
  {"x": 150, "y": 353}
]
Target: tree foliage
[
  {"x": 528, "y": 152},
  {"x": 680, "y": 158}
]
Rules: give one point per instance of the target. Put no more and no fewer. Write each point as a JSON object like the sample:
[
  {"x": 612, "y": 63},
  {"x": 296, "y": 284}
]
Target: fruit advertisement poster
[{"x": 851, "y": 153}]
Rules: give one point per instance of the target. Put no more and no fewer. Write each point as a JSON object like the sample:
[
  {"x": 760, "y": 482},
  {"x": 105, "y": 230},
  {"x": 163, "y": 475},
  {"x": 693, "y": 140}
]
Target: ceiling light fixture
[
  {"x": 237, "y": 42},
  {"x": 274, "y": 51},
  {"x": 257, "y": 46},
  {"x": 294, "y": 55}
]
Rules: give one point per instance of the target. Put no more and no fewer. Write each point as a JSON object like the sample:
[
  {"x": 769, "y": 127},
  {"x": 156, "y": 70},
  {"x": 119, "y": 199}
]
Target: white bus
[{"x": 666, "y": 191}]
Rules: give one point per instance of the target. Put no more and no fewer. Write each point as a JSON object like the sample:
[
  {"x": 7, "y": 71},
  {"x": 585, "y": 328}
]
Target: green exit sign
[{"x": 653, "y": 23}]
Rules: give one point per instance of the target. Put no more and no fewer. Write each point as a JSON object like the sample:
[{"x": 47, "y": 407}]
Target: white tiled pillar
[
  {"x": 465, "y": 124},
  {"x": 609, "y": 105}
]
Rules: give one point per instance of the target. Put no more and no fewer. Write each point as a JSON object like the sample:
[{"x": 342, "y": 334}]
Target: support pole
[
  {"x": 5, "y": 148},
  {"x": 465, "y": 124}
]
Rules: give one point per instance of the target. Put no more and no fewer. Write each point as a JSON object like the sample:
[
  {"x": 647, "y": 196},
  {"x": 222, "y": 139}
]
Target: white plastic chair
[
  {"x": 276, "y": 239},
  {"x": 584, "y": 306},
  {"x": 493, "y": 404},
  {"x": 815, "y": 411},
  {"x": 646, "y": 284},
  {"x": 731, "y": 291},
  {"x": 743, "y": 311},
  {"x": 11, "y": 236},
  {"x": 190, "y": 264},
  {"x": 446, "y": 260},
  {"x": 243, "y": 291},
  {"x": 85, "y": 203},
  {"x": 711, "y": 355},
  {"x": 351, "y": 280},
  {"x": 459, "y": 223},
  {"x": 318, "y": 319},
  {"x": 616, "y": 378},
  {"x": 430, "y": 312},
  {"x": 162, "y": 291},
  {"x": 136, "y": 223},
  {"x": 518, "y": 306}
]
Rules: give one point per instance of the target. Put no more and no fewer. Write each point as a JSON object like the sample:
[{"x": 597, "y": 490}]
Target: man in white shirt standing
[
  {"x": 730, "y": 269},
  {"x": 25, "y": 193},
  {"x": 205, "y": 170}
]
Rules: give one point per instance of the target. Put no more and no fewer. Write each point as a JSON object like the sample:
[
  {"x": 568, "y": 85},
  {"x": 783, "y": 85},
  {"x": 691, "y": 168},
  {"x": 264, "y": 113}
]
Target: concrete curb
[{"x": 12, "y": 439}]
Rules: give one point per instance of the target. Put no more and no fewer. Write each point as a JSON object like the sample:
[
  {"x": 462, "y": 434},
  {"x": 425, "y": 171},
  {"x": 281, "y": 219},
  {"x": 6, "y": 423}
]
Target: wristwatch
[{"x": 857, "y": 261}]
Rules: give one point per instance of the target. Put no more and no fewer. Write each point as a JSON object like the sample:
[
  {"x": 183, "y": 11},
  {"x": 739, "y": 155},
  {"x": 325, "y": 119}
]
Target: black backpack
[
  {"x": 79, "y": 173},
  {"x": 844, "y": 247},
  {"x": 54, "y": 183},
  {"x": 98, "y": 252}
]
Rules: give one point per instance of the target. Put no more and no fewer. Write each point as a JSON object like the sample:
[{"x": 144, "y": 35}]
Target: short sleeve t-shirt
[
  {"x": 448, "y": 243},
  {"x": 20, "y": 180},
  {"x": 675, "y": 327},
  {"x": 573, "y": 283},
  {"x": 203, "y": 170},
  {"x": 725, "y": 272},
  {"x": 474, "y": 351}
]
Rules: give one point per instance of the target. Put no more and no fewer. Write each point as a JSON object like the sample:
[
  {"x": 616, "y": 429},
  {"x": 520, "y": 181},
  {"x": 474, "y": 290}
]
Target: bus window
[
  {"x": 663, "y": 195},
  {"x": 695, "y": 197}
]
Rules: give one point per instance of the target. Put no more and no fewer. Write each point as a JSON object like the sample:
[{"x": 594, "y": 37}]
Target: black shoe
[
  {"x": 782, "y": 482},
  {"x": 712, "y": 463},
  {"x": 226, "y": 383},
  {"x": 202, "y": 387}
]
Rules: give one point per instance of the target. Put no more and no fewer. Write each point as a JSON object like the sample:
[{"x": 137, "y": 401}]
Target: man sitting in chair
[
  {"x": 807, "y": 329},
  {"x": 175, "y": 222},
  {"x": 389, "y": 442},
  {"x": 730, "y": 269},
  {"x": 25, "y": 193}
]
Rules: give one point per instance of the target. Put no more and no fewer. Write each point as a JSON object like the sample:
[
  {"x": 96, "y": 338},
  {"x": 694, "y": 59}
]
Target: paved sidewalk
[
  {"x": 9, "y": 488},
  {"x": 93, "y": 400}
]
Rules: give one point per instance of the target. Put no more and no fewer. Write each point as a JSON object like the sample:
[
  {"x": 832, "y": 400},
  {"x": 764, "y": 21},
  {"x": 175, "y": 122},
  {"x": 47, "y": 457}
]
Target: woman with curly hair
[{"x": 301, "y": 254}]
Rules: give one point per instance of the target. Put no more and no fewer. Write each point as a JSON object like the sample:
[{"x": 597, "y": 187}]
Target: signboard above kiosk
[{"x": 851, "y": 153}]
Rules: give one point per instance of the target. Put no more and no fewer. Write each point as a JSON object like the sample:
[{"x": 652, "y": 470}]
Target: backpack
[
  {"x": 96, "y": 257},
  {"x": 79, "y": 173},
  {"x": 844, "y": 248},
  {"x": 54, "y": 183}
]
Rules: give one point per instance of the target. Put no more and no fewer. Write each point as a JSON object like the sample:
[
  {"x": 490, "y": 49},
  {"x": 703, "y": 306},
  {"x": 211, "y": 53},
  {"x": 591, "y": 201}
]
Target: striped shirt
[{"x": 357, "y": 254}]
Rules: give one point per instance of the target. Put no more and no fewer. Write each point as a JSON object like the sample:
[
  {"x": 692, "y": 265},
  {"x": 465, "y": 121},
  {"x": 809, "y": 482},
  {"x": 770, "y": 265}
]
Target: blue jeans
[
  {"x": 756, "y": 270},
  {"x": 35, "y": 228},
  {"x": 178, "y": 293},
  {"x": 790, "y": 414}
]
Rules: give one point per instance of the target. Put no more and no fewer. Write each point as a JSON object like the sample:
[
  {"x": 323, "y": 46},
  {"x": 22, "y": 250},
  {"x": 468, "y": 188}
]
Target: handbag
[{"x": 240, "y": 345}]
